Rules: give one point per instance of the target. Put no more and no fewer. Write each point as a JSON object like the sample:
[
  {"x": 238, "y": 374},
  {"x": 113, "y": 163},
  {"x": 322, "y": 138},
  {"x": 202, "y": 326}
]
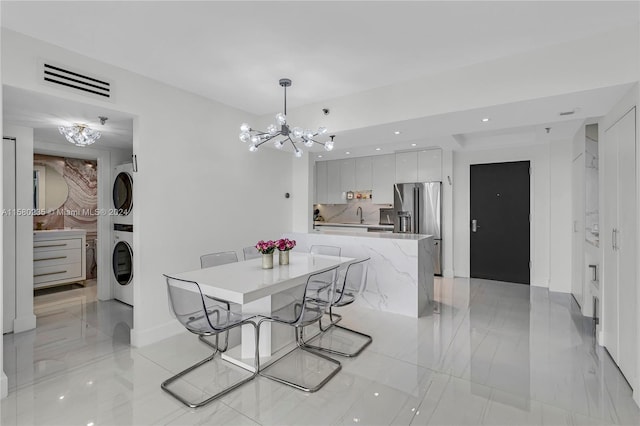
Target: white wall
[
  {"x": 4, "y": 382},
  {"x": 560, "y": 222},
  {"x": 198, "y": 189},
  {"x": 538, "y": 155},
  {"x": 25, "y": 319},
  {"x": 302, "y": 195}
]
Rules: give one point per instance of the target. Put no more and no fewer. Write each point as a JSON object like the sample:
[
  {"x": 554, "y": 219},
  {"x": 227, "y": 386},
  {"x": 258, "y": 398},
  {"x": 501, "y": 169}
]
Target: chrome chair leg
[
  {"x": 197, "y": 404},
  {"x": 368, "y": 339},
  {"x": 300, "y": 346},
  {"x": 215, "y": 346}
]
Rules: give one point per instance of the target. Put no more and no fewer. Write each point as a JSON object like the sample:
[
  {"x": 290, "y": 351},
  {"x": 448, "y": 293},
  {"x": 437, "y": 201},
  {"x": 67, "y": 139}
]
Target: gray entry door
[{"x": 500, "y": 235}]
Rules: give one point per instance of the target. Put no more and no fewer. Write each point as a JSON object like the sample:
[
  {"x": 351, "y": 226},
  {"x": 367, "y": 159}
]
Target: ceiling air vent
[
  {"x": 59, "y": 76},
  {"x": 568, "y": 112}
]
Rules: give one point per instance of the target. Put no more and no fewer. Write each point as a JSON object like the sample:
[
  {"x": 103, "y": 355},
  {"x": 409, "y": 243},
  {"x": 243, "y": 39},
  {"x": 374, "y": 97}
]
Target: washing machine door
[
  {"x": 123, "y": 193},
  {"x": 122, "y": 263}
]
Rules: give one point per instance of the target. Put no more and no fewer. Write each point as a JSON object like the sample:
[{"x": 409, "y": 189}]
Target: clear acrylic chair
[
  {"x": 217, "y": 259},
  {"x": 204, "y": 316},
  {"x": 303, "y": 311},
  {"x": 347, "y": 288},
  {"x": 250, "y": 252},
  {"x": 326, "y": 250}
]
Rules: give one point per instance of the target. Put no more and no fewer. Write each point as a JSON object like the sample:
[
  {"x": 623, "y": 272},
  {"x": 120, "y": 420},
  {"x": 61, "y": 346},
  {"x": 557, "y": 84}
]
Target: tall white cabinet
[{"x": 618, "y": 239}]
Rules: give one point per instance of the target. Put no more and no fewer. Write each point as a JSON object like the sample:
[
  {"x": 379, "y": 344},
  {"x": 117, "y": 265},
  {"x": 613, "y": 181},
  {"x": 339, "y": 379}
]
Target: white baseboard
[
  {"x": 25, "y": 323},
  {"x": 155, "y": 334},
  {"x": 461, "y": 274},
  {"x": 448, "y": 273},
  {"x": 4, "y": 385}
]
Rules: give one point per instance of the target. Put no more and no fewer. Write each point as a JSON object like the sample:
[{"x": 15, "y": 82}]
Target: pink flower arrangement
[
  {"x": 266, "y": 247},
  {"x": 285, "y": 244}
]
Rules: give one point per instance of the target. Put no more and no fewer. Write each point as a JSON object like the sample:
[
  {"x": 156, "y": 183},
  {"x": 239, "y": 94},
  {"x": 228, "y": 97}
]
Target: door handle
[
  {"x": 613, "y": 239},
  {"x": 474, "y": 225}
]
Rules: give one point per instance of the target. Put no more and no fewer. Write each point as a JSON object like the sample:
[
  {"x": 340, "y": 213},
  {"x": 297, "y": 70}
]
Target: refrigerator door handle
[
  {"x": 474, "y": 225},
  {"x": 416, "y": 208}
]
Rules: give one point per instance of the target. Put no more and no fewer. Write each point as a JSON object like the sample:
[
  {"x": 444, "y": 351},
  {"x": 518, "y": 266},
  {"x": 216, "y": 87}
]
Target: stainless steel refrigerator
[{"x": 417, "y": 209}]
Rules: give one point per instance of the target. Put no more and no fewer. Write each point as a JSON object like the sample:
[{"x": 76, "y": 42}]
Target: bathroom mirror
[{"x": 50, "y": 189}]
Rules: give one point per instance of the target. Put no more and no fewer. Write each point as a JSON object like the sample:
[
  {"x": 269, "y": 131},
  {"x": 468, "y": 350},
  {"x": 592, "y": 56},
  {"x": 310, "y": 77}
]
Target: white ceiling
[
  {"x": 235, "y": 52},
  {"x": 45, "y": 113}
]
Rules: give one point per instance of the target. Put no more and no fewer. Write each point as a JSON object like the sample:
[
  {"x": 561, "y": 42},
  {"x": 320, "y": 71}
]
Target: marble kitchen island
[{"x": 400, "y": 273}]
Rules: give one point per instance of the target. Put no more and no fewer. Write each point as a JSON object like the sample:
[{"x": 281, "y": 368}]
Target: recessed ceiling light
[
  {"x": 397, "y": 132},
  {"x": 319, "y": 156},
  {"x": 378, "y": 149},
  {"x": 414, "y": 144},
  {"x": 484, "y": 120},
  {"x": 347, "y": 153}
]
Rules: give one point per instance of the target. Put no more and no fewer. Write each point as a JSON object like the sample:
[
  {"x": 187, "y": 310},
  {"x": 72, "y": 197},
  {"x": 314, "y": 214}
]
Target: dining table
[{"x": 261, "y": 291}]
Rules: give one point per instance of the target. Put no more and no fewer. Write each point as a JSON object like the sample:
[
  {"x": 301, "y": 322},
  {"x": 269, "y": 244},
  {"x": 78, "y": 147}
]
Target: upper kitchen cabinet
[
  {"x": 383, "y": 178},
  {"x": 334, "y": 188},
  {"x": 347, "y": 175},
  {"x": 419, "y": 166},
  {"x": 364, "y": 173},
  {"x": 321, "y": 183},
  {"x": 406, "y": 167},
  {"x": 430, "y": 165}
]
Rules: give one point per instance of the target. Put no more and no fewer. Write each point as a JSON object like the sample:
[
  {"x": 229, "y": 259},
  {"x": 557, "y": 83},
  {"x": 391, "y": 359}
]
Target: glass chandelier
[
  {"x": 296, "y": 136},
  {"x": 80, "y": 134}
]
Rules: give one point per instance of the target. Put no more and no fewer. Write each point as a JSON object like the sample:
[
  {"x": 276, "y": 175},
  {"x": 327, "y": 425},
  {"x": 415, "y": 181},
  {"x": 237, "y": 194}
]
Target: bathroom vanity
[{"x": 59, "y": 257}]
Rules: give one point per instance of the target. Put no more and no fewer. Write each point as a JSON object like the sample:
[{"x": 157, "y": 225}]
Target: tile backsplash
[{"x": 348, "y": 213}]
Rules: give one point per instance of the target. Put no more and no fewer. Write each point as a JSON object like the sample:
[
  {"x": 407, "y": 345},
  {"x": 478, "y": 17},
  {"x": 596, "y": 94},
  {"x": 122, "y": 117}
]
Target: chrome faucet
[{"x": 360, "y": 212}]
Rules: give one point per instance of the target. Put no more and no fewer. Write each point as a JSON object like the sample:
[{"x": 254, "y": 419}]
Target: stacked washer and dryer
[{"x": 122, "y": 255}]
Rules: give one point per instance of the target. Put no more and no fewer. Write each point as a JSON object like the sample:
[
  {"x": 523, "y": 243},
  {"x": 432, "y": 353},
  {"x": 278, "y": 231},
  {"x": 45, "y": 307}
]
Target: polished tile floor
[{"x": 495, "y": 354}]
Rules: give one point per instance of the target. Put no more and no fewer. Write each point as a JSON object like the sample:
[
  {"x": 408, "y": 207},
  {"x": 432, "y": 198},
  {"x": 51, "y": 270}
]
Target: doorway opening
[{"x": 65, "y": 198}]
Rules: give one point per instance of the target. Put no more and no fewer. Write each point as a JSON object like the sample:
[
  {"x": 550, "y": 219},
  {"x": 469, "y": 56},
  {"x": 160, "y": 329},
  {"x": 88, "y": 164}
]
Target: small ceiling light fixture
[
  {"x": 414, "y": 144},
  {"x": 281, "y": 128},
  {"x": 484, "y": 120},
  {"x": 378, "y": 149},
  {"x": 80, "y": 134},
  {"x": 397, "y": 132},
  {"x": 347, "y": 152}
]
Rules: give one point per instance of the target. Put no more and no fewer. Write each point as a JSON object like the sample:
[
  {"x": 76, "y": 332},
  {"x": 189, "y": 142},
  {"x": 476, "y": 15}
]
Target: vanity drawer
[
  {"x": 50, "y": 245},
  {"x": 56, "y": 273},
  {"x": 57, "y": 257}
]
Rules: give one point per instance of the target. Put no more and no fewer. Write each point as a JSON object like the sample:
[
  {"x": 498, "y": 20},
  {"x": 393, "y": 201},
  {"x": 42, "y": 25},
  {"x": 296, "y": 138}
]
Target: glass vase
[
  {"x": 283, "y": 257},
  {"x": 267, "y": 261}
]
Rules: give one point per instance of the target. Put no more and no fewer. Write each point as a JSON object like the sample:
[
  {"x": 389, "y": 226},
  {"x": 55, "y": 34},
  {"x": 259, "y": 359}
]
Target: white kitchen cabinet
[
  {"x": 364, "y": 170},
  {"x": 58, "y": 257},
  {"x": 430, "y": 165},
  {"x": 383, "y": 178},
  {"x": 347, "y": 174},
  {"x": 618, "y": 239},
  {"x": 321, "y": 183},
  {"x": 419, "y": 166},
  {"x": 334, "y": 188},
  {"x": 406, "y": 167}
]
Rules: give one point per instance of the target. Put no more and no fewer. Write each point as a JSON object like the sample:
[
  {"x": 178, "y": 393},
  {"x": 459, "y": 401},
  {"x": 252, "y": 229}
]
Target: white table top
[{"x": 244, "y": 282}]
